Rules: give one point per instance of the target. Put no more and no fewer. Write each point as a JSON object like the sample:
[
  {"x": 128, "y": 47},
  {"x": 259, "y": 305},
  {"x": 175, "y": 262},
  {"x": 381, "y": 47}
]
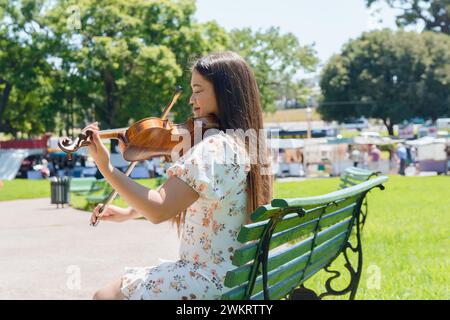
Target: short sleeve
[{"x": 212, "y": 168}]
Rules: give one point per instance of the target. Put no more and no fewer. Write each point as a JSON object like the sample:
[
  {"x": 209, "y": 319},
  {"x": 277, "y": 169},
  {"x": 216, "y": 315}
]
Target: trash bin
[{"x": 60, "y": 187}]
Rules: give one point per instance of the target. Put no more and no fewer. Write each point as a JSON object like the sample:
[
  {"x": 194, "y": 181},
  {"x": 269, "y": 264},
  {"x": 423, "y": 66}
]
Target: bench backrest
[
  {"x": 101, "y": 187},
  {"x": 291, "y": 240},
  {"x": 81, "y": 184},
  {"x": 352, "y": 176}
]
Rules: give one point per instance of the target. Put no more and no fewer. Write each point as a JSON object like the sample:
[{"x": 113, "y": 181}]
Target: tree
[
  {"x": 434, "y": 14},
  {"x": 434, "y": 89},
  {"x": 276, "y": 60},
  {"x": 127, "y": 57},
  {"x": 388, "y": 76},
  {"x": 24, "y": 69},
  {"x": 66, "y": 62}
]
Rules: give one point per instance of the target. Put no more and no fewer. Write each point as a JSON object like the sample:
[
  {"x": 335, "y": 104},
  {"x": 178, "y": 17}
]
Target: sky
[{"x": 328, "y": 24}]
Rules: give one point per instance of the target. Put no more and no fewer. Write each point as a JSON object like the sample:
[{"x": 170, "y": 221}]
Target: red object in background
[{"x": 26, "y": 143}]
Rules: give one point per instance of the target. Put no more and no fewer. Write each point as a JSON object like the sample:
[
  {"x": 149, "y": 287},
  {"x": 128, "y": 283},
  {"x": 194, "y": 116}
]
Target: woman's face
[{"x": 203, "y": 98}]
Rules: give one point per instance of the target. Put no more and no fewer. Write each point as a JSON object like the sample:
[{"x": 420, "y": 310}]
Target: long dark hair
[{"x": 239, "y": 106}]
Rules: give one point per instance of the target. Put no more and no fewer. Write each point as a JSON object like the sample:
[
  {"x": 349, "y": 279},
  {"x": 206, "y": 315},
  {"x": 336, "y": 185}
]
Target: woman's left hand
[{"x": 97, "y": 149}]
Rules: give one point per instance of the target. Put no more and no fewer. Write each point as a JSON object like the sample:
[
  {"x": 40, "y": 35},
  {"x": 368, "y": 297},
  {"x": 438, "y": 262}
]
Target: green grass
[
  {"x": 24, "y": 189},
  {"x": 405, "y": 239},
  {"x": 31, "y": 189}
]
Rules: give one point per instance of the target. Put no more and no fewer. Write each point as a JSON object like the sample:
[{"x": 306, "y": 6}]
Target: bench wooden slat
[
  {"x": 81, "y": 185},
  {"x": 278, "y": 291},
  {"x": 357, "y": 174},
  {"x": 247, "y": 252},
  {"x": 361, "y": 171},
  {"x": 330, "y": 197},
  {"x": 254, "y": 231},
  {"x": 100, "y": 191},
  {"x": 352, "y": 176},
  {"x": 264, "y": 212},
  {"x": 281, "y": 290},
  {"x": 350, "y": 182},
  {"x": 240, "y": 275},
  {"x": 96, "y": 199},
  {"x": 324, "y": 251}
]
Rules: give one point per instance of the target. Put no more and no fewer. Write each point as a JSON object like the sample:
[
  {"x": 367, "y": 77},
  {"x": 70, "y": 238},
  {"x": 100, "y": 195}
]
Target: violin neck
[{"x": 112, "y": 134}]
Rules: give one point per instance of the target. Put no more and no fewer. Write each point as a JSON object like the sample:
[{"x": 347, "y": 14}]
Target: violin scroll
[{"x": 70, "y": 146}]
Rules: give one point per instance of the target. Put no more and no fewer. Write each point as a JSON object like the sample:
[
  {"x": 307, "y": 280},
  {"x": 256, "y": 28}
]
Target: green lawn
[
  {"x": 24, "y": 189},
  {"x": 31, "y": 189},
  {"x": 405, "y": 242}
]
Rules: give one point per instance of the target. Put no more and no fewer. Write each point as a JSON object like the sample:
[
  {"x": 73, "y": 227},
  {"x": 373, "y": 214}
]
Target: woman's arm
[
  {"x": 159, "y": 205},
  {"x": 114, "y": 213}
]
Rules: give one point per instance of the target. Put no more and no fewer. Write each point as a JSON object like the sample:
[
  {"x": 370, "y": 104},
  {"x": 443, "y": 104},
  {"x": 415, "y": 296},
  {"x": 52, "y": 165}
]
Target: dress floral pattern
[{"x": 216, "y": 168}]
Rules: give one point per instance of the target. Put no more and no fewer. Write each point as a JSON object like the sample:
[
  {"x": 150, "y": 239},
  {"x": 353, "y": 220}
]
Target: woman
[{"x": 210, "y": 192}]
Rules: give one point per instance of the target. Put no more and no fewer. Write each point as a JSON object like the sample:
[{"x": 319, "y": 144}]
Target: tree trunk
[
  {"x": 389, "y": 126},
  {"x": 4, "y": 101},
  {"x": 112, "y": 104},
  {"x": 112, "y": 98}
]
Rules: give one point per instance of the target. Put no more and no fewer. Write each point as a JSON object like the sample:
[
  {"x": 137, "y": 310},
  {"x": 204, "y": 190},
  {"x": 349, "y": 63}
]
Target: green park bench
[
  {"x": 82, "y": 185},
  {"x": 291, "y": 240},
  {"x": 352, "y": 176},
  {"x": 100, "y": 191}
]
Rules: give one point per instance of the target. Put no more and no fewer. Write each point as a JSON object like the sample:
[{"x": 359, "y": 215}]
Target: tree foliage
[
  {"x": 25, "y": 84},
  {"x": 128, "y": 56},
  {"x": 434, "y": 14},
  {"x": 276, "y": 59},
  {"x": 388, "y": 75},
  {"x": 64, "y": 63}
]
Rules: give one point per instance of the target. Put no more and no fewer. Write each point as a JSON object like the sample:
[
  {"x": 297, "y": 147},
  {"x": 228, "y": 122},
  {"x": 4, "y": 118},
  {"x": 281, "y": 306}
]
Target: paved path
[{"x": 49, "y": 253}]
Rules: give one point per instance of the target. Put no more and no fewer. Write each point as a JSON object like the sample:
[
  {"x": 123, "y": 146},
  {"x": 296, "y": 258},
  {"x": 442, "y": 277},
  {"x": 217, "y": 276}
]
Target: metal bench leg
[
  {"x": 364, "y": 213},
  {"x": 355, "y": 273},
  {"x": 303, "y": 293}
]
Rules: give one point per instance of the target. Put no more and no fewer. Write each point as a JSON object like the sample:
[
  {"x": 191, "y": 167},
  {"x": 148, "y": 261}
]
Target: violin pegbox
[{"x": 70, "y": 146}]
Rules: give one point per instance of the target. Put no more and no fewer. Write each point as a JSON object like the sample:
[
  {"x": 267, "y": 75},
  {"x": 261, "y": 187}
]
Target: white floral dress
[{"x": 216, "y": 168}]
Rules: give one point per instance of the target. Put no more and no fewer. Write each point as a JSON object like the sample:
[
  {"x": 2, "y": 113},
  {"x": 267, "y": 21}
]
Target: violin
[{"x": 144, "y": 139}]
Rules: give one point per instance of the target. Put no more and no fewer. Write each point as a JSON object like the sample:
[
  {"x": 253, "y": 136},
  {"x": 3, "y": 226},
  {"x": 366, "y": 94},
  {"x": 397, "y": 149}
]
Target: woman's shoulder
[
  {"x": 221, "y": 145},
  {"x": 224, "y": 140},
  {"x": 216, "y": 137}
]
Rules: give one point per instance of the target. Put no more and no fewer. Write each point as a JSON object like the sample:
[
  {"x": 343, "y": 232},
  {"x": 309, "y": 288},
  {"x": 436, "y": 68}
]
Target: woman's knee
[
  {"x": 99, "y": 295},
  {"x": 110, "y": 292}
]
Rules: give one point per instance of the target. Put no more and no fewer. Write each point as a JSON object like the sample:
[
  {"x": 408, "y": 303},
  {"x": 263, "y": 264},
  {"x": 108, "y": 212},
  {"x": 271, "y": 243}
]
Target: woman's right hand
[{"x": 112, "y": 213}]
